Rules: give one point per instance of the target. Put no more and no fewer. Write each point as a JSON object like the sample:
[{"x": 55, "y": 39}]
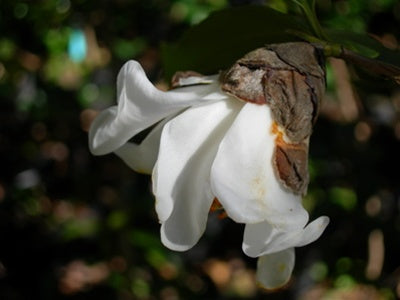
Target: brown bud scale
[{"x": 290, "y": 79}]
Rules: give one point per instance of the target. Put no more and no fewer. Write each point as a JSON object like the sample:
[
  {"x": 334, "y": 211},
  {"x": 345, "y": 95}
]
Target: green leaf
[
  {"x": 363, "y": 48},
  {"x": 359, "y": 43},
  {"x": 227, "y": 35},
  {"x": 366, "y": 46}
]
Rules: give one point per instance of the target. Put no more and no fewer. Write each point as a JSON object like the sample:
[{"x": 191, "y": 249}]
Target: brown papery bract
[{"x": 290, "y": 79}]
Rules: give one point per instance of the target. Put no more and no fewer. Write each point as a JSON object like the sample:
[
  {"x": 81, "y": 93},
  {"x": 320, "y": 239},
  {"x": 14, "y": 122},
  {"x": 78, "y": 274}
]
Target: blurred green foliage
[{"x": 74, "y": 226}]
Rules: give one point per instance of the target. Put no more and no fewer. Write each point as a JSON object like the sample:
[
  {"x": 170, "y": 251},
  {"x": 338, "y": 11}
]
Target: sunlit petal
[
  {"x": 274, "y": 270},
  {"x": 242, "y": 176},
  {"x": 263, "y": 238},
  {"x": 140, "y": 105},
  {"x": 258, "y": 239},
  {"x": 313, "y": 231},
  {"x": 142, "y": 157},
  {"x": 188, "y": 146}
]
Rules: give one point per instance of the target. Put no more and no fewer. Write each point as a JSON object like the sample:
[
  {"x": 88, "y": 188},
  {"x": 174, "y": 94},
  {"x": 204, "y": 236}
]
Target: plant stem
[{"x": 310, "y": 14}]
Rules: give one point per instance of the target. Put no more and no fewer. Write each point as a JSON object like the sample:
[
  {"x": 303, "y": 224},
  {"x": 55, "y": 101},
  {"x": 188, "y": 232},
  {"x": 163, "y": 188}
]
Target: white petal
[
  {"x": 142, "y": 157},
  {"x": 188, "y": 146},
  {"x": 242, "y": 176},
  {"x": 258, "y": 239},
  {"x": 274, "y": 270},
  {"x": 140, "y": 105},
  {"x": 262, "y": 238},
  {"x": 191, "y": 80},
  {"x": 313, "y": 231}
]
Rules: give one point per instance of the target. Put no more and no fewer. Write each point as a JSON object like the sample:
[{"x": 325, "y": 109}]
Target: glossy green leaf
[
  {"x": 363, "y": 48},
  {"x": 227, "y": 35},
  {"x": 360, "y": 43}
]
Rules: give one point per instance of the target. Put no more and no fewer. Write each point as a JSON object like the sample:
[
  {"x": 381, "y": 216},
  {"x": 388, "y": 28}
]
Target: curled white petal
[
  {"x": 313, "y": 231},
  {"x": 140, "y": 105},
  {"x": 192, "y": 80},
  {"x": 181, "y": 184},
  {"x": 263, "y": 238},
  {"x": 142, "y": 157},
  {"x": 242, "y": 176},
  {"x": 274, "y": 270}
]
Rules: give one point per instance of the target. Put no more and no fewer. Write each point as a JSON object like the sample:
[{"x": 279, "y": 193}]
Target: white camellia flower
[{"x": 206, "y": 145}]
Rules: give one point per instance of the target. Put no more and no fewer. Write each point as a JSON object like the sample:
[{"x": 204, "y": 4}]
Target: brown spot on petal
[{"x": 291, "y": 165}]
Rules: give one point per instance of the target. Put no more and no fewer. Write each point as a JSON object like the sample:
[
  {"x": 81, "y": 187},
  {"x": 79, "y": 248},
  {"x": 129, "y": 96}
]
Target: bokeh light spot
[
  {"x": 2, "y": 71},
  {"x": 39, "y": 131},
  {"x": 140, "y": 288},
  {"x": 117, "y": 219},
  {"x": 77, "y": 275},
  {"x": 3, "y": 270},
  {"x": 344, "y": 282},
  {"x": 89, "y": 93},
  {"x": 2, "y": 193},
  {"x": 63, "y": 6},
  {"x": 179, "y": 11},
  {"x": 55, "y": 150},
  {"x": 77, "y": 46},
  {"x": 362, "y": 132},
  {"x": 169, "y": 293},
  {"x": 27, "y": 179},
  {"x": 318, "y": 271},
  {"x": 344, "y": 197},
  {"x": 373, "y": 206},
  {"x": 86, "y": 117},
  {"x": 376, "y": 254},
  {"x": 21, "y": 10},
  {"x": 219, "y": 272},
  {"x": 118, "y": 264},
  {"x": 344, "y": 265}
]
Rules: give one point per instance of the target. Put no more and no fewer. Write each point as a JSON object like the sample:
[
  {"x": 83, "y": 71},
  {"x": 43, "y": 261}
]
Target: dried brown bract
[{"x": 290, "y": 78}]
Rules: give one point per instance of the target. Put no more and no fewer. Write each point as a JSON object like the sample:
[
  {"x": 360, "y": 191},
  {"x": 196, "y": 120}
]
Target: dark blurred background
[{"x": 74, "y": 226}]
